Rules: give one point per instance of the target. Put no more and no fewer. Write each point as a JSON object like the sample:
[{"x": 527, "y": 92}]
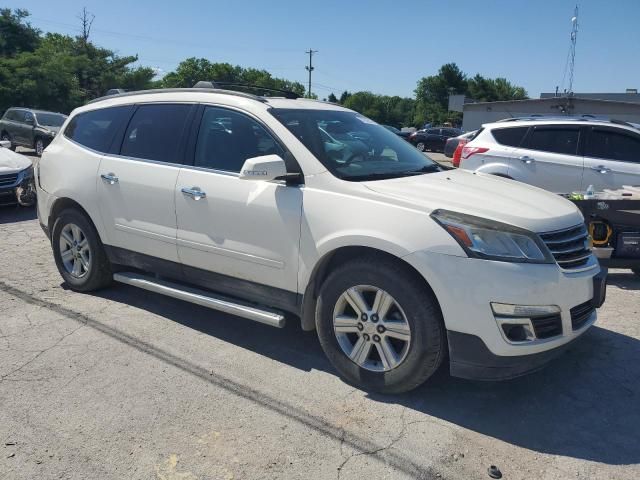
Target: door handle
[
  {"x": 526, "y": 159},
  {"x": 110, "y": 178},
  {"x": 194, "y": 192},
  {"x": 601, "y": 169}
]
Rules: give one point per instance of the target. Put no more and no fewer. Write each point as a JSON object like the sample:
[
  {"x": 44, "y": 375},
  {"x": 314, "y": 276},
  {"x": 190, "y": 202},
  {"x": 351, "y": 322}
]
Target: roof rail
[
  {"x": 586, "y": 117},
  {"x": 214, "y": 84},
  {"x": 174, "y": 90}
]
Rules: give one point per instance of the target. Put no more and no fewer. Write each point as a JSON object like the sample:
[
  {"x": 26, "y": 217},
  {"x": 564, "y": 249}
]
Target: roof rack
[
  {"x": 174, "y": 90},
  {"x": 587, "y": 117},
  {"x": 214, "y": 84}
]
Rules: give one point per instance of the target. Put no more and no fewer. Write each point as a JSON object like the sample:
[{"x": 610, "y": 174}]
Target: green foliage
[
  {"x": 395, "y": 111},
  {"x": 58, "y": 72},
  {"x": 194, "y": 69},
  {"x": 332, "y": 98}
]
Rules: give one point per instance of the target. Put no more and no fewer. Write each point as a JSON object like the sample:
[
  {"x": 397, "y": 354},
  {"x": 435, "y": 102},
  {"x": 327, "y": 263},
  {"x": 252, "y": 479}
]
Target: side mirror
[
  {"x": 5, "y": 143},
  {"x": 265, "y": 168}
]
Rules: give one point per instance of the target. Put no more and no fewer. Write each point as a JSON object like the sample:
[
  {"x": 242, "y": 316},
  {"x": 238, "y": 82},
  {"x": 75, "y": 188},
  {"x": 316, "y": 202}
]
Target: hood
[
  {"x": 485, "y": 196},
  {"x": 12, "y": 162}
]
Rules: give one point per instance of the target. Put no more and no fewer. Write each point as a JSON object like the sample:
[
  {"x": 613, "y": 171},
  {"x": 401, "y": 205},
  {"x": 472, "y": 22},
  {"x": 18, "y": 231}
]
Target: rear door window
[
  {"x": 613, "y": 144},
  {"x": 97, "y": 128},
  {"x": 563, "y": 140},
  {"x": 511, "y": 137},
  {"x": 154, "y": 132}
]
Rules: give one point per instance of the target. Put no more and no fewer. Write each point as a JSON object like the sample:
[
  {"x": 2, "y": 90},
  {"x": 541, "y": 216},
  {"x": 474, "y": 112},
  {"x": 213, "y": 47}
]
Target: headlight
[
  {"x": 482, "y": 238},
  {"x": 27, "y": 172}
]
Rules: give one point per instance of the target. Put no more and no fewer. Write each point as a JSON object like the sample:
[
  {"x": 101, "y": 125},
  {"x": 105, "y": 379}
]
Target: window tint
[
  {"x": 433, "y": 131},
  {"x": 510, "y": 137},
  {"x": 227, "y": 138},
  {"x": 554, "y": 140},
  {"x": 97, "y": 128},
  {"x": 154, "y": 132},
  {"x": 613, "y": 145},
  {"x": 17, "y": 115},
  {"x": 28, "y": 117}
]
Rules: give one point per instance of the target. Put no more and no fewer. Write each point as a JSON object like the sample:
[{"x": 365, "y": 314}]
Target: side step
[{"x": 200, "y": 297}]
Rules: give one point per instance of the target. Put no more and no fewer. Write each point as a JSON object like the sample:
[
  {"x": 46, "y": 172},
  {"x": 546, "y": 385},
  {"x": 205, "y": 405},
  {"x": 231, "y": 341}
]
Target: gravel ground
[{"x": 129, "y": 384}]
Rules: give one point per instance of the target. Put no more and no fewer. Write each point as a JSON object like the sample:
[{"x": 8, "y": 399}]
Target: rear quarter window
[
  {"x": 510, "y": 137},
  {"x": 96, "y": 129}
]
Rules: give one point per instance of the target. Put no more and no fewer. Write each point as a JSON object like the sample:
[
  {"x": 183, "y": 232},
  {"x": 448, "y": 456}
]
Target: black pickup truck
[
  {"x": 614, "y": 225},
  {"x": 29, "y": 128}
]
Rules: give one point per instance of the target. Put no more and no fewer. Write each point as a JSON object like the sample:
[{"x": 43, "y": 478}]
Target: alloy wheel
[
  {"x": 371, "y": 328},
  {"x": 75, "y": 251},
  {"x": 39, "y": 147},
  {"x": 421, "y": 146}
]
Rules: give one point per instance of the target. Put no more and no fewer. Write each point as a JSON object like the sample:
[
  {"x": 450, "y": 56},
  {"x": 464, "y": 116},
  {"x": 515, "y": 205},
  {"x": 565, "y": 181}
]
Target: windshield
[
  {"x": 50, "y": 119},
  {"x": 352, "y": 147}
]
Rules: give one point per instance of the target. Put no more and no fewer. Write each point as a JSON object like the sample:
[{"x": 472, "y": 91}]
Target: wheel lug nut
[
  {"x": 360, "y": 327},
  {"x": 366, "y": 337},
  {"x": 374, "y": 317},
  {"x": 376, "y": 338},
  {"x": 364, "y": 317},
  {"x": 380, "y": 329}
]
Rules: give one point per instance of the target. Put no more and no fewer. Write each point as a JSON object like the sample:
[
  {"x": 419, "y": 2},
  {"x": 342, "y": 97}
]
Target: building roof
[{"x": 612, "y": 97}]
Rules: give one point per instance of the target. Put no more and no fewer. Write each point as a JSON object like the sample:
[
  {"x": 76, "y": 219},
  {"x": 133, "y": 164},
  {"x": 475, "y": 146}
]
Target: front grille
[
  {"x": 547, "y": 327},
  {"x": 8, "y": 180},
  {"x": 581, "y": 313},
  {"x": 570, "y": 247}
]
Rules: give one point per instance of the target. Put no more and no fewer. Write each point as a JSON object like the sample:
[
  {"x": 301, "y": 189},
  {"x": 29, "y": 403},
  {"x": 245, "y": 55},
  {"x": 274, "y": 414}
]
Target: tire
[
  {"x": 414, "y": 306},
  {"x": 39, "y": 146},
  {"x": 421, "y": 146},
  {"x": 93, "y": 267},
  {"x": 5, "y": 136}
]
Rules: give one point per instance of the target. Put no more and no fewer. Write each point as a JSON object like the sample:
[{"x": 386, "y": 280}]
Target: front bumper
[
  {"x": 11, "y": 193},
  {"x": 465, "y": 288}
]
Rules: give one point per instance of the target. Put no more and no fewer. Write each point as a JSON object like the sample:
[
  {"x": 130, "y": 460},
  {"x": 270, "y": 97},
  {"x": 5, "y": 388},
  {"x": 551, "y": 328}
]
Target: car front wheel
[
  {"x": 6, "y": 137},
  {"x": 380, "y": 327},
  {"x": 79, "y": 253}
]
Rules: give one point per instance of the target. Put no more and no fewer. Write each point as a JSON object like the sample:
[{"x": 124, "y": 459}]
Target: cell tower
[{"x": 574, "y": 37}]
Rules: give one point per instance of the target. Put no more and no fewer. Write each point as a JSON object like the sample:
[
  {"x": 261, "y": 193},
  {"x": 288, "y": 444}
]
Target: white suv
[
  {"x": 562, "y": 155},
  {"x": 241, "y": 204}
]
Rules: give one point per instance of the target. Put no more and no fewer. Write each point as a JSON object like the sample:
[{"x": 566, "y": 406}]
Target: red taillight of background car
[
  {"x": 458, "y": 152},
  {"x": 467, "y": 151}
]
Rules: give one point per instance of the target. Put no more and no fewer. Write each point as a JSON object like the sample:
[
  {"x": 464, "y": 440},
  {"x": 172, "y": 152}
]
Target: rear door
[
  {"x": 612, "y": 158},
  {"x": 549, "y": 158},
  {"x": 136, "y": 183},
  {"x": 14, "y": 126}
]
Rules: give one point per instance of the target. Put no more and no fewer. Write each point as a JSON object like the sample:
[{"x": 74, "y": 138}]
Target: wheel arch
[
  {"x": 65, "y": 203},
  {"x": 331, "y": 260}
]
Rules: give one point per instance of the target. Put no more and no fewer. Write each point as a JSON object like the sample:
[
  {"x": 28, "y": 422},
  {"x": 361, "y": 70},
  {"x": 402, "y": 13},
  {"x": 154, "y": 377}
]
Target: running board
[{"x": 202, "y": 298}]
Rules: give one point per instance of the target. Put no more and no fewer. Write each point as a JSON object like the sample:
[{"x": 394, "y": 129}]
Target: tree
[
  {"x": 16, "y": 35},
  {"x": 344, "y": 96},
  {"x": 332, "y": 98},
  {"x": 395, "y": 111},
  {"x": 492, "y": 90},
  {"x": 193, "y": 69}
]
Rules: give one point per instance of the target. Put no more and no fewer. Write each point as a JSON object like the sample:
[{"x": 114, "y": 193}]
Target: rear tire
[
  {"x": 412, "y": 343},
  {"x": 79, "y": 253},
  {"x": 421, "y": 146},
  {"x": 38, "y": 146}
]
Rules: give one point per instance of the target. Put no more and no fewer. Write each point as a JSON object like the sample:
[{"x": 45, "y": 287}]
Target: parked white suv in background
[
  {"x": 562, "y": 155},
  {"x": 239, "y": 203}
]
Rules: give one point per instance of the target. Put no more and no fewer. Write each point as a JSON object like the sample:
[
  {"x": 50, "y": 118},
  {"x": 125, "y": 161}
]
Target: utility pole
[
  {"x": 310, "y": 68},
  {"x": 574, "y": 38}
]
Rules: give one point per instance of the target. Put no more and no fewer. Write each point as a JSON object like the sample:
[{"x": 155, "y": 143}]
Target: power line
[{"x": 310, "y": 68}]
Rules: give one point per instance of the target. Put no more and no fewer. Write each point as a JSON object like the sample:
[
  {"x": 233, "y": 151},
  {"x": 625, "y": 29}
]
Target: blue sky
[{"x": 381, "y": 46}]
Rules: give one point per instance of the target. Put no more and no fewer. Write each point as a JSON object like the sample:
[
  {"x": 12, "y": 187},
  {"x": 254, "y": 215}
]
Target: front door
[
  {"x": 612, "y": 158},
  {"x": 135, "y": 186},
  {"x": 239, "y": 229},
  {"x": 549, "y": 158}
]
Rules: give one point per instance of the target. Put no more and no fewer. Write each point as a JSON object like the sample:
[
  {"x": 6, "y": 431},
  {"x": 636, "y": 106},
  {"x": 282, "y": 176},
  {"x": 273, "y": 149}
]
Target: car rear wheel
[
  {"x": 380, "y": 328},
  {"x": 39, "y": 146},
  {"x": 421, "y": 146},
  {"x": 79, "y": 253},
  {"x": 6, "y": 137}
]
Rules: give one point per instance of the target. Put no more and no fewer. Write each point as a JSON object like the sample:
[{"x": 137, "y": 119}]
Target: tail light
[
  {"x": 458, "y": 152},
  {"x": 468, "y": 151}
]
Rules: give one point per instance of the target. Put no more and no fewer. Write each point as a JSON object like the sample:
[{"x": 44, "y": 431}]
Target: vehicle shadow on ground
[
  {"x": 626, "y": 281},
  {"x": 14, "y": 214},
  {"x": 583, "y": 405}
]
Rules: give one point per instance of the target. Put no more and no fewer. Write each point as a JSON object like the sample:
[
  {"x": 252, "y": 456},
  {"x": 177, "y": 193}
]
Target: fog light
[{"x": 524, "y": 311}]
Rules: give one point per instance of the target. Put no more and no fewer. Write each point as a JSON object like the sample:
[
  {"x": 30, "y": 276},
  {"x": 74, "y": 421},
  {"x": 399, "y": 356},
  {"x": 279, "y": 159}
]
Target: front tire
[
  {"x": 380, "y": 326},
  {"x": 79, "y": 253},
  {"x": 6, "y": 137}
]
